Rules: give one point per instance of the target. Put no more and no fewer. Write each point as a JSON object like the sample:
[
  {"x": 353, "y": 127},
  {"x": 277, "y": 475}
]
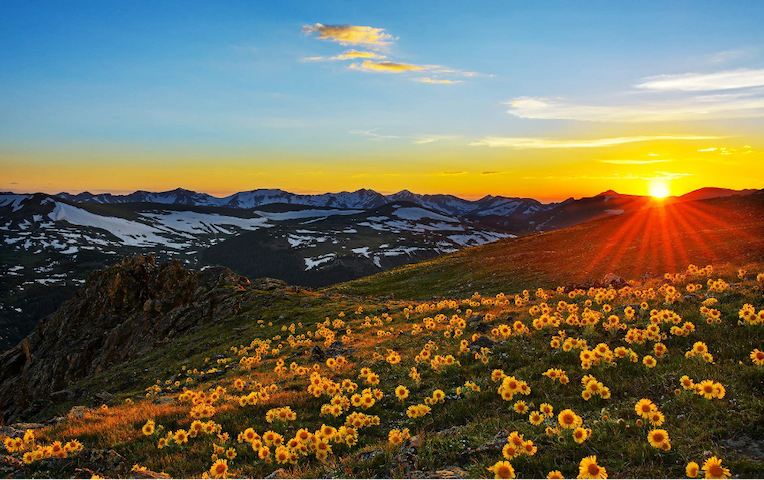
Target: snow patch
[{"x": 314, "y": 262}]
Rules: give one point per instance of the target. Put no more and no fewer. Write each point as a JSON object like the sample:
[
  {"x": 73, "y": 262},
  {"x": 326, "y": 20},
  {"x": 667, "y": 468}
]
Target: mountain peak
[{"x": 607, "y": 193}]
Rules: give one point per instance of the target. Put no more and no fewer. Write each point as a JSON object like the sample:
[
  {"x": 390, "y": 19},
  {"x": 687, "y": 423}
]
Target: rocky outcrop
[{"x": 120, "y": 313}]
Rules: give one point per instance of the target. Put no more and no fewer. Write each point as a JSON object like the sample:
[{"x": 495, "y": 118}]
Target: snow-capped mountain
[
  {"x": 364, "y": 199},
  {"x": 49, "y": 244}
]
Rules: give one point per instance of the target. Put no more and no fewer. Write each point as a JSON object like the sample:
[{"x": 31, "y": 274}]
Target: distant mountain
[
  {"x": 364, "y": 199},
  {"x": 712, "y": 192},
  {"x": 50, "y": 244}
]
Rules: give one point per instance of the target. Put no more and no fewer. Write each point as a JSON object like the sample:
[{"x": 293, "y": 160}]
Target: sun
[{"x": 659, "y": 189}]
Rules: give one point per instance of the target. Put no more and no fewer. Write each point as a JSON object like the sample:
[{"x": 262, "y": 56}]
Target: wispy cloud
[
  {"x": 519, "y": 143},
  {"x": 635, "y": 162},
  {"x": 629, "y": 176},
  {"x": 390, "y": 67},
  {"x": 348, "y": 55},
  {"x": 434, "y": 80},
  {"x": 731, "y": 55},
  {"x": 378, "y": 39},
  {"x": 493, "y": 172},
  {"x": 720, "y": 95},
  {"x": 417, "y": 139},
  {"x": 699, "y": 107},
  {"x": 350, "y": 34},
  {"x": 698, "y": 82},
  {"x": 452, "y": 173},
  {"x": 711, "y": 149}
]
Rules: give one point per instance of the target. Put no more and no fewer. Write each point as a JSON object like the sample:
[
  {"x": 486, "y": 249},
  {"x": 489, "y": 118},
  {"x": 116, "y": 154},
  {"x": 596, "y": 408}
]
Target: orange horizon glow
[{"x": 221, "y": 179}]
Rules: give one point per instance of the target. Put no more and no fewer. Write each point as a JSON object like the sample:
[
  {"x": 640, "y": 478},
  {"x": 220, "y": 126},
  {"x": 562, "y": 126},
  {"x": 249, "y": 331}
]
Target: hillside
[
  {"x": 647, "y": 241},
  {"x": 310, "y": 385}
]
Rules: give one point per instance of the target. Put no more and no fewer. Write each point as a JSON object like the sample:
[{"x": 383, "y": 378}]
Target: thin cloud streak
[
  {"x": 521, "y": 143},
  {"x": 416, "y": 139},
  {"x": 698, "y": 82},
  {"x": 390, "y": 67},
  {"x": 635, "y": 162},
  {"x": 715, "y": 107}
]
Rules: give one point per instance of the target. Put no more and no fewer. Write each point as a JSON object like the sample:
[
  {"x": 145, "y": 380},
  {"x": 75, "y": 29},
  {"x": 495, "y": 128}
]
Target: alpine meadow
[{"x": 334, "y": 239}]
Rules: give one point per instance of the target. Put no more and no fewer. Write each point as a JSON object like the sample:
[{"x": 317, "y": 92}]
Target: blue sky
[{"x": 246, "y": 86}]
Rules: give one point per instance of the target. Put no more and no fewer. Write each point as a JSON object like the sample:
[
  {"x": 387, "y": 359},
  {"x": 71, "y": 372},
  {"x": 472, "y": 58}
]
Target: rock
[
  {"x": 484, "y": 328},
  {"x": 444, "y": 472},
  {"x": 104, "y": 396},
  {"x": 147, "y": 474},
  {"x": 369, "y": 456},
  {"x": 482, "y": 342},
  {"x": 476, "y": 319},
  {"x": 107, "y": 461},
  {"x": 613, "y": 280},
  {"x": 317, "y": 354},
  {"x": 19, "y": 429},
  {"x": 62, "y": 396},
  {"x": 497, "y": 443},
  {"x": 280, "y": 473},
  {"x": 86, "y": 473},
  {"x": 267, "y": 283},
  {"x": 120, "y": 313},
  {"x": 337, "y": 348},
  {"x": 77, "y": 411}
]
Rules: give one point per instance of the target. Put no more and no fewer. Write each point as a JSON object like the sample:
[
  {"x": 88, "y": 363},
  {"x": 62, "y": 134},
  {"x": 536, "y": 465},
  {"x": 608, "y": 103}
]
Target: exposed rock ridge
[{"x": 120, "y": 313}]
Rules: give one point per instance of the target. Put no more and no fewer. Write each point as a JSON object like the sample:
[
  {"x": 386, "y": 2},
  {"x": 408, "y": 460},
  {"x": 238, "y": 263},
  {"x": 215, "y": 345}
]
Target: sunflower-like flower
[
  {"x": 588, "y": 468},
  {"x": 713, "y": 468},
  {"x": 502, "y": 469}
]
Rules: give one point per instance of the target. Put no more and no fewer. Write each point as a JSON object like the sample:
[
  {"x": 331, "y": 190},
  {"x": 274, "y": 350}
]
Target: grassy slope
[
  {"x": 695, "y": 425},
  {"x": 655, "y": 240}
]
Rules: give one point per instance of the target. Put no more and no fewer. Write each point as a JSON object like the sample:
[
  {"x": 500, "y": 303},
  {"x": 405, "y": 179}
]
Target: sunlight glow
[{"x": 659, "y": 189}]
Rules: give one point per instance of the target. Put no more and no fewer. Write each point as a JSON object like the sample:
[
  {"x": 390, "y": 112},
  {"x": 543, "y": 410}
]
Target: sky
[{"x": 533, "y": 99}]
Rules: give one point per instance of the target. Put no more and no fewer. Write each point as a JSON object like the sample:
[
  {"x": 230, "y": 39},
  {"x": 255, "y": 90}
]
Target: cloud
[
  {"x": 14, "y": 183},
  {"x": 696, "y": 82},
  {"x": 519, "y": 143},
  {"x": 635, "y": 162},
  {"x": 700, "y": 107},
  {"x": 493, "y": 173},
  {"x": 350, "y": 34},
  {"x": 348, "y": 55},
  {"x": 712, "y": 149},
  {"x": 434, "y": 80},
  {"x": 392, "y": 67},
  {"x": 452, "y": 173},
  {"x": 629, "y": 176},
  {"x": 351, "y": 54},
  {"x": 729, "y": 55},
  {"x": 377, "y": 39},
  {"x": 417, "y": 139}
]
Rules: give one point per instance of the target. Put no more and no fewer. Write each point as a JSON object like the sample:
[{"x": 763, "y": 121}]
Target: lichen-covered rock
[{"x": 120, "y": 313}]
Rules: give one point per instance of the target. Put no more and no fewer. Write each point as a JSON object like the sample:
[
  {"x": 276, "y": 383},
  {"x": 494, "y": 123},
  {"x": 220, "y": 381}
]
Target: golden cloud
[
  {"x": 392, "y": 67},
  {"x": 434, "y": 80},
  {"x": 350, "y": 34},
  {"x": 351, "y": 54}
]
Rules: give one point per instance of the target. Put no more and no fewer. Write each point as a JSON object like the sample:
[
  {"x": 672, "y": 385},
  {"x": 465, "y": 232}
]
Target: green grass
[{"x": 456, "y": 429}]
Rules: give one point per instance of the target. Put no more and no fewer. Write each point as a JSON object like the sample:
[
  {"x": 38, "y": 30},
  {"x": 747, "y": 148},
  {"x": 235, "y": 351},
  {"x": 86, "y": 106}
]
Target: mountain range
[{"x": 50, "y": 243}]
